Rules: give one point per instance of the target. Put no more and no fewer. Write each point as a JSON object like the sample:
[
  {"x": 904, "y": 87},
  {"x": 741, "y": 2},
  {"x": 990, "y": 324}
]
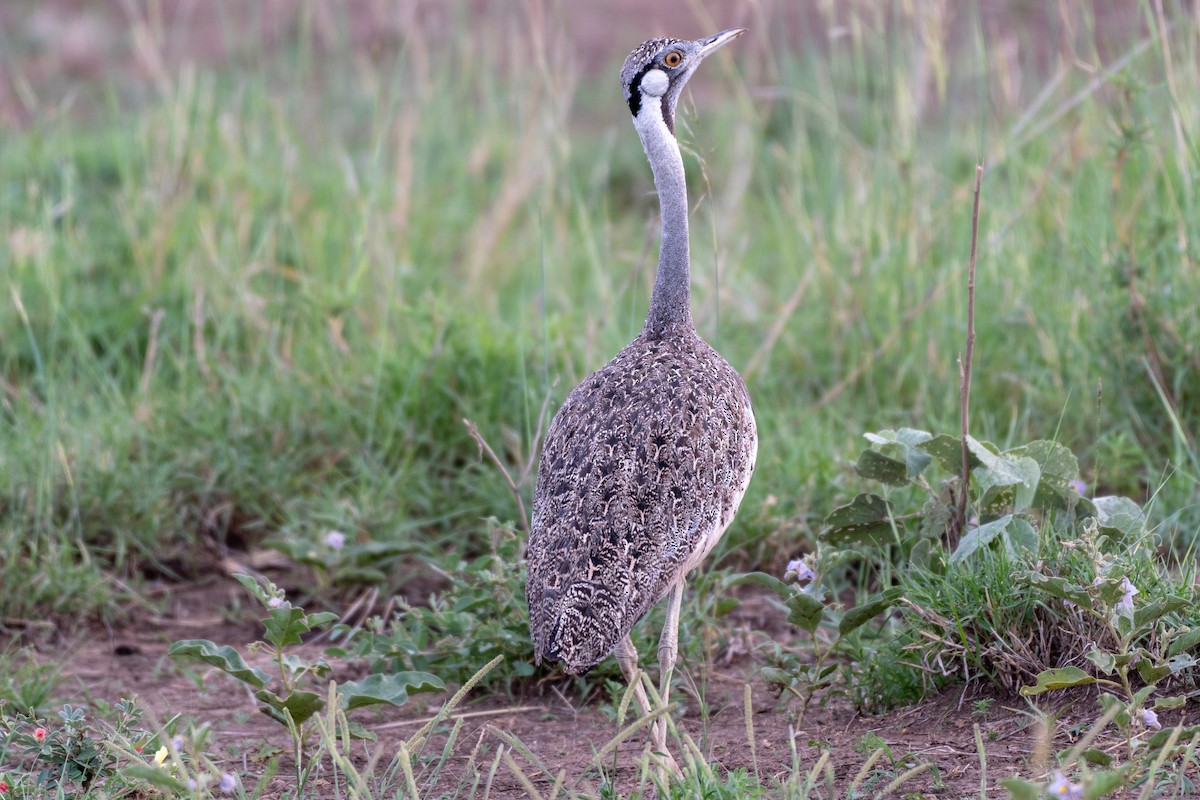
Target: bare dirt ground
[{"x": 559, "y": 728}]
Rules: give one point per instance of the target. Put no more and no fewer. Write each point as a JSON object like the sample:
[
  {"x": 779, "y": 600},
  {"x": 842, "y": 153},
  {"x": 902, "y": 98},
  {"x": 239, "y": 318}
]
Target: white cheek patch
[{"x": 654, "y": 83}]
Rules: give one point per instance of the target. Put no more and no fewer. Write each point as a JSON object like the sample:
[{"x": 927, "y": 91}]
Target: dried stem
[
  {"x": 964, "y": 364},
  {"x": 527, "y": 468}
]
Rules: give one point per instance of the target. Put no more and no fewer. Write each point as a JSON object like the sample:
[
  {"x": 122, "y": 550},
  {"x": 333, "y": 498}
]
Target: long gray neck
[{"x": 670, "y": 303}]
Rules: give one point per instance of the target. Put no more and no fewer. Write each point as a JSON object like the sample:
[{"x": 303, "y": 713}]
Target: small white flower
[
  {"x": 1129, "y": 590},
  {"x": 1150, "y": 719},
  {"x": 177, "y": 744},
  {"x": 1061, "y": 787},
  {"x": 1079, "y": 486},
  {"x": 276, "y": 602},
  {"x": 228, "y": 783},
  {"x": 799, "y": 570},
  {"x": 191, "y": 784},
  {"x": 335, "y": 540}
]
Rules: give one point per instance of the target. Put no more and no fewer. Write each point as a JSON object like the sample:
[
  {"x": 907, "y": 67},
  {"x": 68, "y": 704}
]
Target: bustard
[{"x": 646, "y": 462}]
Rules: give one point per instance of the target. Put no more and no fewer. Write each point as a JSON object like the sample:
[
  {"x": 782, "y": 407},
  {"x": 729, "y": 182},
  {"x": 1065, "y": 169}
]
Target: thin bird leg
[
  {"x": 668, "y": 649},
  {"x": 627, "y": 657},
  {"x": 668, "y": 643}
]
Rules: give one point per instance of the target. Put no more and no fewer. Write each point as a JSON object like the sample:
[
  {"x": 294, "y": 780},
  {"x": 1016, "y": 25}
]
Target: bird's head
[{"x": 657, "y": 70}]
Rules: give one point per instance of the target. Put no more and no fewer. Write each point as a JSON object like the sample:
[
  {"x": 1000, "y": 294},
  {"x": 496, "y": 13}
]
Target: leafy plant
[
  {"x": 481, "y": 615},
  {"x": 78, "y": 755},
  {"x": 293, "y": 705}
]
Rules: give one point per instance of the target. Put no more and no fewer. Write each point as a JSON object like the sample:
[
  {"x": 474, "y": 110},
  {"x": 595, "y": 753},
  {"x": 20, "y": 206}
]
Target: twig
[
  {"x": 484, "y": 447},
  {"x": 964, "y": 364},
  {"x": 492, "y": 712},
  {"x": 515, "y": 485}
]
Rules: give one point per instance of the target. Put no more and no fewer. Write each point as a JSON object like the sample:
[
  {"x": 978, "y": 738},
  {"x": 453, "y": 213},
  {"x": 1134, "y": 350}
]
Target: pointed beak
[{"x": 709, "y": 44}]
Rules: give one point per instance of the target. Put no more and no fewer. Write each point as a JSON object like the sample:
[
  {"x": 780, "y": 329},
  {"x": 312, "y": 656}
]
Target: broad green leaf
[
  {"x": 999, "y": 471},
  {"x": 1181, "y": 662},
  {"x": 222, "y": 657},
  {"x": 1152, "y": 673},
  {"x": 1175, "y": 701},
  {"x": 860, "y": 615},
  {"x": 806, "y": 610},
  {"x": 1141, "y": 694},
  {"x": 902, "y": 446},
  {"x": 357, "y": 731},
  {"x": 1109, "y": 590},
  {"x": 1097, "y": 757},
  {"x": 300, "y": 705},
  {"x": 296, "y": 665},
  {"x": 1105, "y": 662},
  {"x": 875, "y": 466},
  {"x": 935, "y": 518},
  {"x": 387, "y": 689},
  {"x": 1106, "y": 782},
  {"x": 1056, "y": 586},
  {"x": 784, "y": 590},
  {"x": 1021, "y": 789},
  {"x": 905, "y": 436},
  {"x": 1188, "y": 640},
  {"x": 1159, "y": 739},
  {"x": 1062, "y": 678},
  {"x": 253, "y": 586},
  {"x": 986, "y": 452},
  {"x": 1059, "y": 467},
  {"x": 947, "y": 451},
  {"x": 978, "y": 538},
  {"x": 284, "y": 626},
  {"x": 863, "y": 509},
  {"x": 1119, "y": 516},
  {"x": 1157, "y": 609},
  {"x": 1020, "y": 537},
  {"x": 776, "y": 676},
  {"x": 1113, "y": 707},
  {"x": 156, "y": 776},
  {"x": 866, "y": 518}
]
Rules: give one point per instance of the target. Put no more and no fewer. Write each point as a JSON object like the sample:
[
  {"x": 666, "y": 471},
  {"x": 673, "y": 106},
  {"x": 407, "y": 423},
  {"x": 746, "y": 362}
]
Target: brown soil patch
[{"x": 559, "y": 728}]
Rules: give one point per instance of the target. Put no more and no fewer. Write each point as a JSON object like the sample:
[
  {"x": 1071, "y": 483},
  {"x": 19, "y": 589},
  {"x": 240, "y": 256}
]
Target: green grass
[{"x": 342, "y": 274}]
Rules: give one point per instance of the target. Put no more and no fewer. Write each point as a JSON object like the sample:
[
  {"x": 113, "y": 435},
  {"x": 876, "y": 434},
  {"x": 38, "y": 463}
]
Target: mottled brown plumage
[
  {"x": 646, "y": 462},
  {"x": 642, "y": 471}
]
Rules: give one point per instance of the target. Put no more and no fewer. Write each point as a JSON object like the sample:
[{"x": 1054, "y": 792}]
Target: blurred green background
[{"x": 258, "y": 261}]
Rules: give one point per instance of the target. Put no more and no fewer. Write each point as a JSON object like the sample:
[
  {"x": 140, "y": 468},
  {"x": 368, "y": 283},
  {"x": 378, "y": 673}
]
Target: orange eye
[{"x": 673, "y": 59}]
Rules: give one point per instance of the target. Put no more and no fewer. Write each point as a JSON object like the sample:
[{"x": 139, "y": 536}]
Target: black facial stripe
[
  {"x": 635, "y": 89},
  {"x": 668, "y": 117}
]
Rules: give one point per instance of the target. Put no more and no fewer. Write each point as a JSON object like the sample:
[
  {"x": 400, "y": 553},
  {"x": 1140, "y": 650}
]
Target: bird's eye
[{"x": 673, "y": 59}]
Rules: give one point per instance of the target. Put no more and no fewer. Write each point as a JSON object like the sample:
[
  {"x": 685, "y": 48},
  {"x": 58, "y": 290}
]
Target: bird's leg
[
  {"x": 668, "y": 643},
  {"x": 627, "y": 658},
  {"x": 668, "y": 649}
]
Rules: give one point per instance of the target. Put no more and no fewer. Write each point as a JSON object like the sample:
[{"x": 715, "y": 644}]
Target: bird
[{"x": 646, "y": 462}]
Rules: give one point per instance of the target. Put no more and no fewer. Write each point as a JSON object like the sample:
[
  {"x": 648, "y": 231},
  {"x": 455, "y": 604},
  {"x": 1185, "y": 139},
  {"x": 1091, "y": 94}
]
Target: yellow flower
[{"x": 161, "y": 756}]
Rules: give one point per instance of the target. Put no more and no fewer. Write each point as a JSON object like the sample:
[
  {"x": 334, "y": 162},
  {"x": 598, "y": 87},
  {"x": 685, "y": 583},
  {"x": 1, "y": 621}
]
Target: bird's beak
[{"x": 715, "y": 42}]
